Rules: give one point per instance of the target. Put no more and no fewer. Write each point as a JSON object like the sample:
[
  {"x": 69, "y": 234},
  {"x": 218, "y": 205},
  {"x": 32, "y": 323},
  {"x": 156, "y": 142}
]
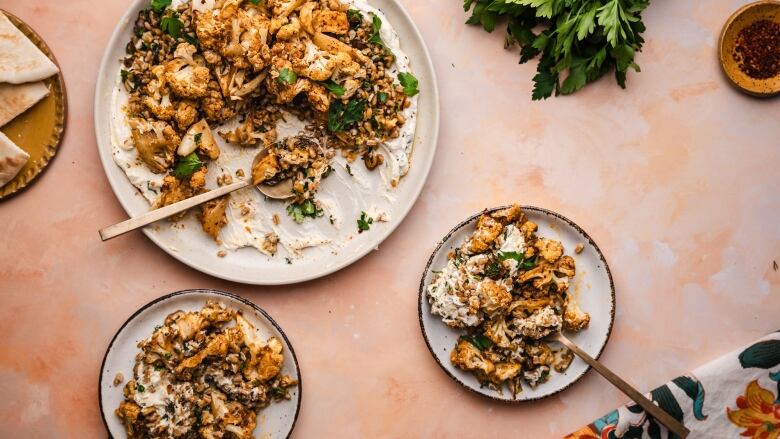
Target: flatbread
[
  {"x": 16, "y": 99},
  {"x": 12, "y": 159},
  {"x": 20, "y": 60}
]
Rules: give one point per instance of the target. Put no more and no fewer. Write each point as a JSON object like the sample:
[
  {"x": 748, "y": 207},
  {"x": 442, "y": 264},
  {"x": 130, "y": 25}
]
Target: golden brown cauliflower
[
  {"x": 186, "y": 112},
  {"x": 550, "y": 249},
  {"x": 504, "y": 371},
  {"x": 508, "y": 215},
  {"x": 265, "y": 168},
  {"x": 213, "y": 217},
  {"x": 199, "y": 137},
  {"x": 155, "y": 143},
  {"x": 467, "y": 357},
  {"x": 333, "y": 22},
  {"x": 493, "y": 298},
  {"x": 487, "y": 231},
  {"x": 574, "y": 319}
]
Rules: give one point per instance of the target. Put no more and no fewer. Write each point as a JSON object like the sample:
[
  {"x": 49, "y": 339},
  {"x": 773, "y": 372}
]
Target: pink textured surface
[{"x": 676, "y": 178}]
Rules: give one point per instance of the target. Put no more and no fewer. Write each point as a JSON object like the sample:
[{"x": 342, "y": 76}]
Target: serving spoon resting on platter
[
  {"x": 280, "y": 191},
  {"x": 649, "y": 407}
]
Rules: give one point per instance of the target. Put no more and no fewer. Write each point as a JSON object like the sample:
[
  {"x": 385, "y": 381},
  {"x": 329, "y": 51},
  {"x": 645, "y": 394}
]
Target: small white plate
[
  {"x": 593, "y": 283},
  {"x": 275, "y": 421},
  {"x": 247, "y": 265}
]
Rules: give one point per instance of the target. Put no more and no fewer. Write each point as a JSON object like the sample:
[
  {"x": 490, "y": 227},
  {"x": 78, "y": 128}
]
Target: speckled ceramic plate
[
  {"x": 743, "y": 17},
  {"x": 247, "y": 265},
  {"x": 40, "y": 129},
  {"x": 275, "y": 421},
  {"x": 593, "y": 284}
]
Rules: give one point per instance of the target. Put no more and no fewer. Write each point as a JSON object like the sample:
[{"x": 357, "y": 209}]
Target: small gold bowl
[{"x": 743, "y": 17}]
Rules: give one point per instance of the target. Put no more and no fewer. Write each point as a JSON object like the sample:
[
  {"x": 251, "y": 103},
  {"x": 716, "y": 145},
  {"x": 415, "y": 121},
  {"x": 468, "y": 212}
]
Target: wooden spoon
[
  {"x": 657, "y": 412},
  {"x": 280, "y": 191}
]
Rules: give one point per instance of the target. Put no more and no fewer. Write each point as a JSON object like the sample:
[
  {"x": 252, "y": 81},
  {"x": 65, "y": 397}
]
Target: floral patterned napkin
[{"x": 737, "y": 395}]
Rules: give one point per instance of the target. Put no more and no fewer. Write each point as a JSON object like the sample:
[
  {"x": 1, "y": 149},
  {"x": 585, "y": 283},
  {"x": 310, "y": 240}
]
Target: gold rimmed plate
[
  {"x": 40, "y": 129},
  {"x": 743, "y": 17}
]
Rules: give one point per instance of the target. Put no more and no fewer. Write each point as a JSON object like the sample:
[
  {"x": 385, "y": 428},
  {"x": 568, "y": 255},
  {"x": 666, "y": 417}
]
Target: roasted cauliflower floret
[
  {"x": 128, "y": 412},
  {"x": 467, "y": 357},
  {"x": 550, "y": 249},
  {"x": 333, "y": 22},
  {"x": 574, "y": 319},
  {"x": 487, "y": 231},
  {"x": 319, "y": 65},
  {"x": 265, "y": 169},
  {"x": 186, "y": 113},
  {"x": 218, "y": 346},
  {"x": 494, "y": 298},
  {"x": 538, "y": 325},
  {"x": 155, "y": 143},
  {"x": 174, "y": 190},
  {"x": 499, "y": 333},
  {"x": 214, "y": 106},
  {"x": 244, "y": 134},
  {"x": 213, "y": 217},
  {"x": 283, "y": 8},
  {"x": 318, "y": 98},
  {"x": 508, "y": 215},
  {"x": 199, "y": 137},
  {"x": 565, "y": 266},
  {"x": 504, "y": 371}
]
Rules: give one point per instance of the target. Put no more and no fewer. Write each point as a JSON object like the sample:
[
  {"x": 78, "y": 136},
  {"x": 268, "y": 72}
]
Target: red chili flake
[{"x": 757, "y": 49}]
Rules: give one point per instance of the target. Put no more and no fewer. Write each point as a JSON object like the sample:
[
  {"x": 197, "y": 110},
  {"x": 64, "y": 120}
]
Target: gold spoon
[
  {"x": 657, "y": 412},
  {"x": 280, "y": 191}
]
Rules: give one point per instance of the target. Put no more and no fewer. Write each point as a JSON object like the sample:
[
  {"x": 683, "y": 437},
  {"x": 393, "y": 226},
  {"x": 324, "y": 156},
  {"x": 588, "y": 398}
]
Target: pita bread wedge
[
  {"x": 20, "y": 60},
  {"x": 12, "y": 159},
  {"x": 16, "y": 99}
]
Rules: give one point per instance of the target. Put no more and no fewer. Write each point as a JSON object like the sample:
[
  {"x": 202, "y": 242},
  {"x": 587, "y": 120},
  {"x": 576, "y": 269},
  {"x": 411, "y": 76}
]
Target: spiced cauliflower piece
[
  {"x": 467, "y": 357},
  {"x": 333, "y": 22},
  {"x": 174, "y": 190},
  {"x": 283, "y": 8},
  {"x": 213, "y": 218},
  {"x": 538, "y": 325},
  {"x": 549, "y": 249},
  {"x": 574, "y": 319},
  {"x": 186, "y": 77},
  {"x": 497, "y": 330},
  {"x": 486, "y": 233},
  {"x": 214, "y": 105},
  {"x": 199, "y": 137},
  {"x": 155, "y": 142},
  {"x": 504, "y": 372},
  {"x": 157, "y": 97},
  {"x": 508, "y": 215},
  {"x": 218, "y": 346},
  {"x": 265, "y": 168},
  {"x": 494, "y": 298},
  {"x": 186, "y": 112}
]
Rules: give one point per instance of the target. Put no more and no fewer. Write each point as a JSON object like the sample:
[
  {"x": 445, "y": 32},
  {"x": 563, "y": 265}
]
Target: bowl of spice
[{"x": 750, "y": 48}]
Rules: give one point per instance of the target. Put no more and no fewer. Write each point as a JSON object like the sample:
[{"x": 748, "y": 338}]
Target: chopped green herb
[
  {"x": 349, "y": 169},
  {"x": 511, "y": 255},
  {"x": 287, "y": 77},
  {"x": 159, "y": 5},
  {"x": 192, "y": 40},
  {"x": 376, "y": 25},
  {"x": 409, "y": 83},
  {"x": 382, "y": 97},
  {"x": 528, "y": 264},
  {"x": 197, "y": 138},
  {"x": 278, "y": 392},
  {"x": 140, "y": 387},
  {"x": 197, "y": 412},
  {"x": 364, "y": 222},
  {"x": 335, "y": 88},
  {"x": 300, "y": 211},
  {"x": 187, "y": 166},
  {"x": 479, "y": 341},
  {"x": 167, "y": 355},
  {"x": 493, "y": 270},
  {"x": 354, "y": 17},
  {"x": 288, "y": 260},
  {"x": 171, "y": 25},
  {"x": 124, "y": 74},
  {"x": 255, "y": 2},
  {"x": 342, "y": 117}
]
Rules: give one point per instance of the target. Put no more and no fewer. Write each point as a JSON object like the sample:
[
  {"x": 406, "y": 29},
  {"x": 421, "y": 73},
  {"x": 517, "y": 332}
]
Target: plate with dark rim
[
  {"x": 593, "y": 284},
  {"x": 275, "y": 421},
  {"x": 40, "y": 129}
]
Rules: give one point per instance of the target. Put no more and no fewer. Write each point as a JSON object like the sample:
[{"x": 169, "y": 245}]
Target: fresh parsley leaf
[
  {"x": 364, "y": 222},
  {"x": 354, "y": 17},
  {"x": 187, "y": 166},
  {"x": 197, "y": 138},
  {"x": 278, "y": 392},
  {"x": 287, "y": 76},
  {"x": 159, "y": 5},
  {"x": 140, "y": 387},
  {"x": 305, "y": 209},
  {"x": 376, "y": 25},
  {"x": 255, "y": 2},
  {"x": 409, "y": 83},
  {"x": 171, "y": 24},
  {"x": 528, "y": 264},
  {"x": 335, "y": 88},
  {"x": 192, "y": 40},
  {"x": 479, "y": 341},
  {"x": 124, "y": 74},
  {"x": 342, "y": 117},
  {"x": 382, "y": 97},
  {"x": 503, "y": 256}
]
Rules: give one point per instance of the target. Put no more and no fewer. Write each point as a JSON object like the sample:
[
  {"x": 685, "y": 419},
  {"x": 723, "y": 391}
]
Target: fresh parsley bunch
[{"x": 579, "y": 40}]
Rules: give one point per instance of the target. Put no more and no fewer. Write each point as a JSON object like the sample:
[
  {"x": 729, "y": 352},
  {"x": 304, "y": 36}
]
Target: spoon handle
[
  {"x": 659, "y": 414},
  {"x": 169, "y": 210}
]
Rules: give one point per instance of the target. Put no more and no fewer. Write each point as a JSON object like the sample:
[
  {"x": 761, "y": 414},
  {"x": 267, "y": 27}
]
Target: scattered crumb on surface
[
  {"x": 240, "y": 173},
  {"x": 221, "y": 253},
  {"x": 118, "y": 378},
  {"x": 276, "y": 219},
  {"x": 774, "y": 265},
  {"x": 578, "y": 249}
]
